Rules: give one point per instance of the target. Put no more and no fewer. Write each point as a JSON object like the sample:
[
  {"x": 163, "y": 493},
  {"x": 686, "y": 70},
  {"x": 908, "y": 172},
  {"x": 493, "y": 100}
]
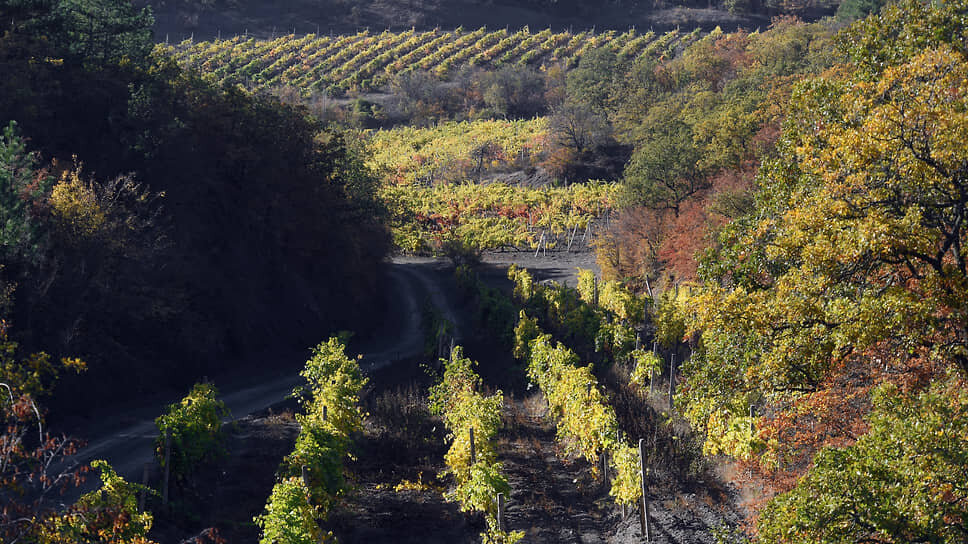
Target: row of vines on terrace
[
  {"x": 481, "y": 217},
  {"x": 365, "y": 62},
  {"x": 311, "y": 477}
]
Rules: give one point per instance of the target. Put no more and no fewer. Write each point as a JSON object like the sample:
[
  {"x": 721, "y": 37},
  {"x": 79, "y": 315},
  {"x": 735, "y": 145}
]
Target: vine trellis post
[
  {"x": 473, "y": 450},
  {"x": 672, "y": 379},
  {"x": 644, "y": 505},
  {"x": 164, "y": 485}
]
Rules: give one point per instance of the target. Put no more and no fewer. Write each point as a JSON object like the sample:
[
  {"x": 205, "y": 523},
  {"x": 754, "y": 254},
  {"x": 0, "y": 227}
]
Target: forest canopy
[
  {"x": 150, "y": 215},
  {"x": 827, "y": 321}
]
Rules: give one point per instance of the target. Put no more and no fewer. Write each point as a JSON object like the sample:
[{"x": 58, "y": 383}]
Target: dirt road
[{"x": 410, "y": 283}]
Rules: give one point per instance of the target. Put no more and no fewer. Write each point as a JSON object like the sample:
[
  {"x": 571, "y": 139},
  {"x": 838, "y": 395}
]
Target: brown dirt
[
  {"x": 402, "y": 442},
  {"x": 558, "y": 265},
  {"x": 228, "y": 494},
  {"x": 553, "y": 499}
]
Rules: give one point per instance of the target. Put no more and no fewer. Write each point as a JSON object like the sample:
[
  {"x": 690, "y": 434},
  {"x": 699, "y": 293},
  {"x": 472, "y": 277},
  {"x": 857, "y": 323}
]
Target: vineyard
[
  {"x": 595, "y": 316},
  {"x": 365, "y": 62},
  {"x": 456, "y": 151},
  {"x": 481, "y": 217},
  {"x": 766, "y": 340},
  {"x": 311, "y": 477}
]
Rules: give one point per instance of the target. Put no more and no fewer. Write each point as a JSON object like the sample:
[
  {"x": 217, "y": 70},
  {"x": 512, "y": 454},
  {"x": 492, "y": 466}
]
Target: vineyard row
[
  {"x": 365, "y": 62},
  {"x": 481, "y": 217}
]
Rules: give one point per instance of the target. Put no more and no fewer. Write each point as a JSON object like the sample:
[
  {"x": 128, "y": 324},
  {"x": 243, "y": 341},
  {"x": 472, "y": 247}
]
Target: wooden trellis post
[
  {"x": 605, "y": 469},
  {"x": 164, "y": 485},
  {"x": 672, "y": 379},
  {"x": 644, "y": 505}
]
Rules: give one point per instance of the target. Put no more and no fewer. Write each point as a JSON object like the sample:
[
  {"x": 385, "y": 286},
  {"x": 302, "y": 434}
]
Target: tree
[
  {"x": 513, "y": 92},
  {"x": 594, "y": 82},
  {"x": 665, "y": 167},
  {"x": 901, "y": 482},
  {"x": 37, "y": 467},
  {"x": 848, "y": 273},
  {"x": 97, "y": 33},
  {"x": 482, "y": 155},
  {"x": 105, "y": 32},
  {"x": 23, "y": 188},
  {"x": 577, "y": 127},
  {"x": 242, "y": 240},
  {"x": 108, "y": 514},
  {"x": 852, "y": 10}
]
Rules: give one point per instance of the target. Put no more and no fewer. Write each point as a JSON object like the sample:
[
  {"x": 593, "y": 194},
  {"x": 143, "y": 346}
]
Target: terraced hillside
[{"x": 365, "y": 62}]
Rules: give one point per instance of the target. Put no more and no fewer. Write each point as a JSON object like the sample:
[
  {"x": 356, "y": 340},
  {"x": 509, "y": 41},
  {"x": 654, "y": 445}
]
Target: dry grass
[{"x": 280, "y": 418}]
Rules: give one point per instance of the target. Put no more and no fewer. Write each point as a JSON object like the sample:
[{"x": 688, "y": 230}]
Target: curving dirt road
[
  {"x": 410, "y": 282},
  {"x": 553, "y": 499}
]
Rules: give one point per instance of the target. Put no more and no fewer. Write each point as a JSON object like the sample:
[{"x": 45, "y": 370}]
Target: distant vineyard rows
[
  {"x": 364, "y": 62},
  {"x": 456, "y": 152},
  {"x": 481, "y": 217}
]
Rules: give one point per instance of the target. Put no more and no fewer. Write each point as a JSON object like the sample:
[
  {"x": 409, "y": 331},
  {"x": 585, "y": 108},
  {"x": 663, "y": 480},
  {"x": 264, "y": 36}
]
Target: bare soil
[
  {"x": 553, "y": 498},
  {"x": 228, "y": 494},
  {"x": 559, "y": 265},
  {"x": 398, "y": 495},
  {"x": 403, "y": 445}
]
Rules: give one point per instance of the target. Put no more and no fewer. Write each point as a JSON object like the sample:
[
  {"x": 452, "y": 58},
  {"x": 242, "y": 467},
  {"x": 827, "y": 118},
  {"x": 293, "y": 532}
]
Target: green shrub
[
  {"x": 289, "y": 517},
  {"x": 195, "y": 427}
]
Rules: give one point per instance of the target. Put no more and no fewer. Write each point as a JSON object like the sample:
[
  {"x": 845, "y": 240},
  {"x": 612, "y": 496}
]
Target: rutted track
[
  {"x": 409, "y": 283},
  {"x": 552, "y": 499}
]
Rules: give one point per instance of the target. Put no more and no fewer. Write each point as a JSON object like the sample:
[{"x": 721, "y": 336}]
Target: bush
[
  {"x": 108, "y": 514},
  {"x": 195, "y": 427},
  {"x": 289, "y": 517}
]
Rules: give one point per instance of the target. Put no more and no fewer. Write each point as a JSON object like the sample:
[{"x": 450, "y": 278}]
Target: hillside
[
  {"x": 476, "y": 282},
  {"x": 206, "y": 20},
  {"x": 364, "y": 62}
]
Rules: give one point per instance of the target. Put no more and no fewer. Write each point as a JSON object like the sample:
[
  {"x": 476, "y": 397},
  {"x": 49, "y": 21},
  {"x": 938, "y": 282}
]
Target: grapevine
[
  {"x": 366, "y": 62},
  {"x": 312, "y": 475},
  {"x": 465, "y": 411}
]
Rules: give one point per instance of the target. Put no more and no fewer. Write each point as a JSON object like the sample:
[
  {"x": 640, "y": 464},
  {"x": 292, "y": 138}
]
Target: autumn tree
[
  {"x": 903, "y": 481},
  {"x": 665, "y": 168},
  {"x": 513, "y": 92},
  {"x": 700, "y": 124},
  {"x": 37, "y": 466},
  {"x": 577, "y": 127},
  {"x": 848, "y": 273}
]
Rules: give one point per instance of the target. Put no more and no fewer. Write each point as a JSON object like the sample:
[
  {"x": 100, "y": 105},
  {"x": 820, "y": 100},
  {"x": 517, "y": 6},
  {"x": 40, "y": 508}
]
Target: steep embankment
[
  {"x": 126, "y": 440},
  {"x": 265, "y": 19}
]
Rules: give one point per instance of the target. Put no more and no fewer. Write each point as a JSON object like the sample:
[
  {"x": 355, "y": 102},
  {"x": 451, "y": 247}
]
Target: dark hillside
[
  {"x": 179, "y": 19},
  {"x": 171, "y": 226}
]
